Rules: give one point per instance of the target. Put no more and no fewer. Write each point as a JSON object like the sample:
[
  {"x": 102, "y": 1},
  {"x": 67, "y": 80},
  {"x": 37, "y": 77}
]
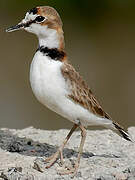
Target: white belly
[{"x": 50, "y": 88}]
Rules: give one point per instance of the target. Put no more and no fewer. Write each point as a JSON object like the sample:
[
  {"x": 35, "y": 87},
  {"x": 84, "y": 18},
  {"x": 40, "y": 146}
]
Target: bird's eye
[{"x": 39, "y": 19}]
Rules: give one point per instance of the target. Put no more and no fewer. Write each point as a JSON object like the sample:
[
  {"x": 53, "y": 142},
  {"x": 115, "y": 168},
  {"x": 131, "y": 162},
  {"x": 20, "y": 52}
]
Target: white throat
[{"x": 48, "y": 37}]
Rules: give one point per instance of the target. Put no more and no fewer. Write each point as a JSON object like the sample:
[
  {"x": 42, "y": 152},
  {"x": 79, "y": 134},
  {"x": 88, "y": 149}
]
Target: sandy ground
[{"x": 106, "y": 155}]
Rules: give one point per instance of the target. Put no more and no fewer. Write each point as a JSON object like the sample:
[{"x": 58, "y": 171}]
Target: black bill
[
  {"x": 16, "y": 27},
  {"x": 20, "y": 26}
]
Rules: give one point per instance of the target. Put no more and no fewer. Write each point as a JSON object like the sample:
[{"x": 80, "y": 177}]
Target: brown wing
[{"x": 80, "y": 92}]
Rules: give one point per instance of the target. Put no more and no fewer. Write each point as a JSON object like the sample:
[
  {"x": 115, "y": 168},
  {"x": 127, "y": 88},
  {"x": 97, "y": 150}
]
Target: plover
[{"x": 57, "y": 85}]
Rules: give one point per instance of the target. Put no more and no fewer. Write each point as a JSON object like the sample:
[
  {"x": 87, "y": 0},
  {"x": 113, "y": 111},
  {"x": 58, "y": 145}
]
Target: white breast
[
  {"x": 46, "y": 80},
  {"x": 50, "y": 88}
]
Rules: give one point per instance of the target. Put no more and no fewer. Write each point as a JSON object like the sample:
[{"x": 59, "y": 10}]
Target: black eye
[{"x": 40, "y": 19}]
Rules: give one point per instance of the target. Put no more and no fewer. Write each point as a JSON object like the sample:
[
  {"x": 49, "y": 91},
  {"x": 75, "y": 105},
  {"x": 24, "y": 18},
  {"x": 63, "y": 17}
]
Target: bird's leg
[
  {"x": 53, "y": 158},
  {"x": 73, "y": 170}
]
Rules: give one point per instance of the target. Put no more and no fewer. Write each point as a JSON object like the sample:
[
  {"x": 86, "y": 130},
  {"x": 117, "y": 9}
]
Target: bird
[{"x": 58, "y": 86}]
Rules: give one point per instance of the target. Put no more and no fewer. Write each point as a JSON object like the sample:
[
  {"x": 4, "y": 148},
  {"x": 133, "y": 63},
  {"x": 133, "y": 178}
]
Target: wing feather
[{"x": 80, "y": 92}]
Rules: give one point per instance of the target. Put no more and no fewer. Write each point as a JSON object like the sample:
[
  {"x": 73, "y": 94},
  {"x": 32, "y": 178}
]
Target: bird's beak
[{"x": 16, "y": 27}]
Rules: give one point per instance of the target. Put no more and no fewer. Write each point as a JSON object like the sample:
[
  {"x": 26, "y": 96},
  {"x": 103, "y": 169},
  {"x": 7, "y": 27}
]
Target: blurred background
[{"x": 100, "y": 42}]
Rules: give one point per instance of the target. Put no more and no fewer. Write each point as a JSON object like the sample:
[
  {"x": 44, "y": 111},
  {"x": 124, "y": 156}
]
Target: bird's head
[{"x": 43, "y": 21}]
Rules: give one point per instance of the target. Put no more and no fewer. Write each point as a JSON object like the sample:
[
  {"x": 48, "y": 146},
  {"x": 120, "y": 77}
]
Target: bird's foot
[
  {"x": 41, "y": 164},
  {"x": 69, "y": 169},
  {"x": 52, "y": 159}
]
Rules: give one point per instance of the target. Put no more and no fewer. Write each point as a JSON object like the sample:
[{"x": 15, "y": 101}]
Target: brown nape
[
  {"x": 61, "y": 39},
  {"x": 53, "y": 22}
]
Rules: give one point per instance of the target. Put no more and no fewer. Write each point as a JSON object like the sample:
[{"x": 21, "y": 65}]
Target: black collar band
[{"x": 53, "y": 53}]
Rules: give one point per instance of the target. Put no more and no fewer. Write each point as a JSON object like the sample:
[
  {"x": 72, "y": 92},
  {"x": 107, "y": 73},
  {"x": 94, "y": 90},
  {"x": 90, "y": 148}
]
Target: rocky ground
[{"x": 106, "y": 155}]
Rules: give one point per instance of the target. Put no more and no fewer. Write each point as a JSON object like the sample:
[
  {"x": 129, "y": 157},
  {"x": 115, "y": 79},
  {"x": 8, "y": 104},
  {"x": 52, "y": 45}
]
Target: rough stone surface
[{"x": 106, "y": 155}]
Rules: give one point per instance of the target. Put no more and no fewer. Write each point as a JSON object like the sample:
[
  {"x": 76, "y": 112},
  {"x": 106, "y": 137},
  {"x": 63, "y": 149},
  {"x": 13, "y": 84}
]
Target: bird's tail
[{"x": 119, "y": 130}]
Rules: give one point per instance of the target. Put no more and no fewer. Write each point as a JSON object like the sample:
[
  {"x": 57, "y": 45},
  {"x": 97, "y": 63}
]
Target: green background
[{"x": 100, "y": 43}]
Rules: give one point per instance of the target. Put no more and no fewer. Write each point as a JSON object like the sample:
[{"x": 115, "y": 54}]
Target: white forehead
[{"x": 30, "y": 16}]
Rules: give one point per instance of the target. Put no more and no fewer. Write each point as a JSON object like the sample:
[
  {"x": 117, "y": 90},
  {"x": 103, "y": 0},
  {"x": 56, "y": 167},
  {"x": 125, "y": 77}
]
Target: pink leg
[
  {"x": 74, "y": 169},
  {"x": 53, "y": 158}
]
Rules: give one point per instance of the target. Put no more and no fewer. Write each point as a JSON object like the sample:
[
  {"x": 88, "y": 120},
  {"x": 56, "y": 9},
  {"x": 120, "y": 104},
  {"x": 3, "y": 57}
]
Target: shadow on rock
[{"x": 28, "y": 147}]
